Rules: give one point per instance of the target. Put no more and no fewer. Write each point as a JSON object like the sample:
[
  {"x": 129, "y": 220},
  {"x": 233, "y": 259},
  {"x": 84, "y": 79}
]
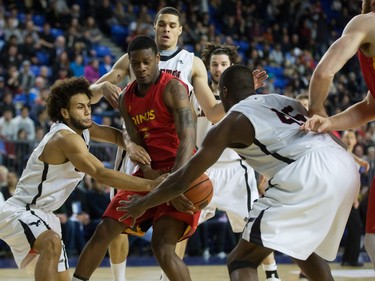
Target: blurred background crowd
[{"x": 43, "y": 41}]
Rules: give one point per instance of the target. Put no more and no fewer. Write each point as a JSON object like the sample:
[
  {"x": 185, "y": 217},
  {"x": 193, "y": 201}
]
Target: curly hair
[
  {"x": 61, "y": 93},
  {"x": 219, "y": 49}
]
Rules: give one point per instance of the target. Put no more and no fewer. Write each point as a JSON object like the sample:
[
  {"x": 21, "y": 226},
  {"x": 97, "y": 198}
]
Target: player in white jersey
[
  {"x": 305, "y": 208},
  {"x": 54, "y": 169},
  {"x": 190, "y": 69},
  {"x": 235, "y": 186}
]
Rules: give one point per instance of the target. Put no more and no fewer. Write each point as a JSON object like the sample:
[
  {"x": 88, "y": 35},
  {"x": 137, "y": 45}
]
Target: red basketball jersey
[
  {"x": 368, "y": 71},
  {"x": 154, "y": 122}
]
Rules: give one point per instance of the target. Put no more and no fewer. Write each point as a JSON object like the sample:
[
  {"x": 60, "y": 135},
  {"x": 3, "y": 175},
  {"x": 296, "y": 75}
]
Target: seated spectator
[
  {"x": 97, "y": 200},
  {"x": 78, "y": 218},
  {"x": 22, "y": 150},
  {"x": 8, "y": 190},
  {"x": 8, "y": 127},
  {"x": 23, "y": 121},
  {"x": 77, "y": 66},
  {"x": 106, "y": 65},
  {"x": 91, "y": 71},
  {"x": 26, "y": 79},
  {"x": 46, "y": 39},
  {"x": 7, "y": 103}
]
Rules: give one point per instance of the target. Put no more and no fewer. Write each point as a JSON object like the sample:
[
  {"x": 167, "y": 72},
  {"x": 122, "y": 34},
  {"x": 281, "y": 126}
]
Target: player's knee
[
  {"x": 106, "y": 231},
  {"x": 48, "y": 243},
  {"x": 234, "y": 265}
]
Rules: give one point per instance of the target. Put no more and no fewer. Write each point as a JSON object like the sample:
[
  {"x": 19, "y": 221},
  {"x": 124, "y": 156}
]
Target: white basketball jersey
[
  {"x": 279, "y": 140},
  {"x": 179, "y": 64},
  {"x": 203, "y": 126},
  {"x": 46, "y": 186}
]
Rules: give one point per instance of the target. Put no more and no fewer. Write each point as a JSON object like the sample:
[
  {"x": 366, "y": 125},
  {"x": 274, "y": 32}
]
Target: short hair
[
  {"x": 61, "y": 93},
  {"x": 211, "y": 49},
  {"x": 142, "y": 42},
  {"x": 169, "y": 11},
  {"x": 302, "y": 96},
  {"x": 237, "y": 78}
]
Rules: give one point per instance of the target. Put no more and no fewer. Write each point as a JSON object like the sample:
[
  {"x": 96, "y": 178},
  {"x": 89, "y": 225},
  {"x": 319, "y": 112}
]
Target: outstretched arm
[
  {"x": 353, "y": 117},
  {"x": 72, "y": 147},
  {"x": 234, "y": 130}
]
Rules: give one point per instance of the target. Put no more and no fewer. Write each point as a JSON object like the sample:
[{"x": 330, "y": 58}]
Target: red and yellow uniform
[
  {"x": 155, "y": 124},
  {"x": 368, "y": 71}
]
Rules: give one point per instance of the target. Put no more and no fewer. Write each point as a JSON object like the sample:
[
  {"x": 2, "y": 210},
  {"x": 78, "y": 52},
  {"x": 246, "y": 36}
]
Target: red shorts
[
  {"x": 370, "y": 217},
  {"x": 145, "y": 221}
]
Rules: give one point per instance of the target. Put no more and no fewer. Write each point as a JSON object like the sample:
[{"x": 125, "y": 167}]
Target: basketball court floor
[{"x": 204, "y": 272}]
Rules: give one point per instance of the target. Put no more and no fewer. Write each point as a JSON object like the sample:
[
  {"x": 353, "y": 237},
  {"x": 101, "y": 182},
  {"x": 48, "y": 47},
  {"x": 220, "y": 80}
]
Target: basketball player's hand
[
  {"x": 259, "y": 76},
  {"x": 138, "y": 154},
  {"x": 317, "y": 124},
  {"x": 182, "y": 204},
  {"x": 111, "y": 93},
  {"x": 132, "y": 208}
]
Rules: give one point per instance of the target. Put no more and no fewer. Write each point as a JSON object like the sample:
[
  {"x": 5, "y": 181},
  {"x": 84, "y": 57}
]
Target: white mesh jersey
[
  {"x": 279, "y": 140},
  {"x": 179, "y": 64},
  {"x": 44, "y": 186}
]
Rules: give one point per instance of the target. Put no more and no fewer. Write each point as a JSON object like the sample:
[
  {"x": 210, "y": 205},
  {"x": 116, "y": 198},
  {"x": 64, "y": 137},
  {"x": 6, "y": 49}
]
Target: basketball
[{"x": 200, "y": 192}]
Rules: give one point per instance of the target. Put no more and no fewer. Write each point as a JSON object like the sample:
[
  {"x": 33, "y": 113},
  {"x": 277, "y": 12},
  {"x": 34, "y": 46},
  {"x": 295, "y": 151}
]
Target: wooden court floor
[{"x": 288, "y": 272}]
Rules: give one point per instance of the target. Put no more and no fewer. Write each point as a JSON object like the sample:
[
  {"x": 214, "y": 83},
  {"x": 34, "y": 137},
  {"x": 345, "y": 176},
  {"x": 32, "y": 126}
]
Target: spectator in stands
[
  {"x": 26, "y": 80},
  {"x": 7, "y": 103},
  {"x": 97, "y": 197},
  {"x": 21, "y": 151},
  {"x": 354, "y": 225},
  {"x": 77, "y": 65},
  {"x": 106, "y": 65},
  {"x": 46, "y": 38},
  {"x": 12, "y": 28},
  {"x": 62, "y": 62},
  {"x": 23, "y": 121},
  {"x": 46, "y": 73},
  {"x": 12, "y": 57},
  {"x": 37, "y": 87},
  {"x": 92, "y": 33},
  {"x": 8, "y": 127},
  {"x": 2, "y": 88},
  {"x": 31, "y": 29},
  {"x": 104, "y": 16},
  {"x": 28, "y": 49},
  {"x": 3, "y": 178},
  {"x": 42, "y": 121},
  {"x": 78, "y": 217},
  {"x": 91, "y": 71},
  {"x": 58, "y": 14},
  {"x": 11, "y": 182},
  {"x": 12, "y": 81},
  {"x": 59, "y": 47}
]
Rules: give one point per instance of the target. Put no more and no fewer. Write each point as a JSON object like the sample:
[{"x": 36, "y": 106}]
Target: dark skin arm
[
  {"x": 234, "y": 131},
  {"x": 177, "y": 101}
]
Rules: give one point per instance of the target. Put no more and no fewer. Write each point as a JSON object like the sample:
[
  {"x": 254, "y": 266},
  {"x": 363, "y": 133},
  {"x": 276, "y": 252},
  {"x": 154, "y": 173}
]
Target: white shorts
[
  {"x": 235, "y": 189},
  {"x": 19, "y": 228},
  {"x": 307, "y": 206},
  {"x": 123, "y": 164}
]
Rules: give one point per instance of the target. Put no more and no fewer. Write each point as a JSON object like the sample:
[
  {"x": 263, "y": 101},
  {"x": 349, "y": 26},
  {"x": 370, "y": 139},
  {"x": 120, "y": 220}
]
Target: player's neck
[
  {"x": 215, "y": 88},
  {"x": 168, "y": 52}
]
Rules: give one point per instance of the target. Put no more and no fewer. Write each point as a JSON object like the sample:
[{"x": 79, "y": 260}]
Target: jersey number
[{"x": 286, "y": 118}]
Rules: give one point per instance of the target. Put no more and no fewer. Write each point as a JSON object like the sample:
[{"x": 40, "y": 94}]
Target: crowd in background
[{"x": 44, "y": 41}]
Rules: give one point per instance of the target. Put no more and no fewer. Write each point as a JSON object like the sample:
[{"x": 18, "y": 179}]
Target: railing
[{"x": 14, "y": 154}]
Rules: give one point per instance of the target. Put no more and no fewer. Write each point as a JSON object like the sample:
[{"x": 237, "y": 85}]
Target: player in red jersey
[
  {"x": 158, "y": 116},
  {"x": 358, "y": 38}
]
